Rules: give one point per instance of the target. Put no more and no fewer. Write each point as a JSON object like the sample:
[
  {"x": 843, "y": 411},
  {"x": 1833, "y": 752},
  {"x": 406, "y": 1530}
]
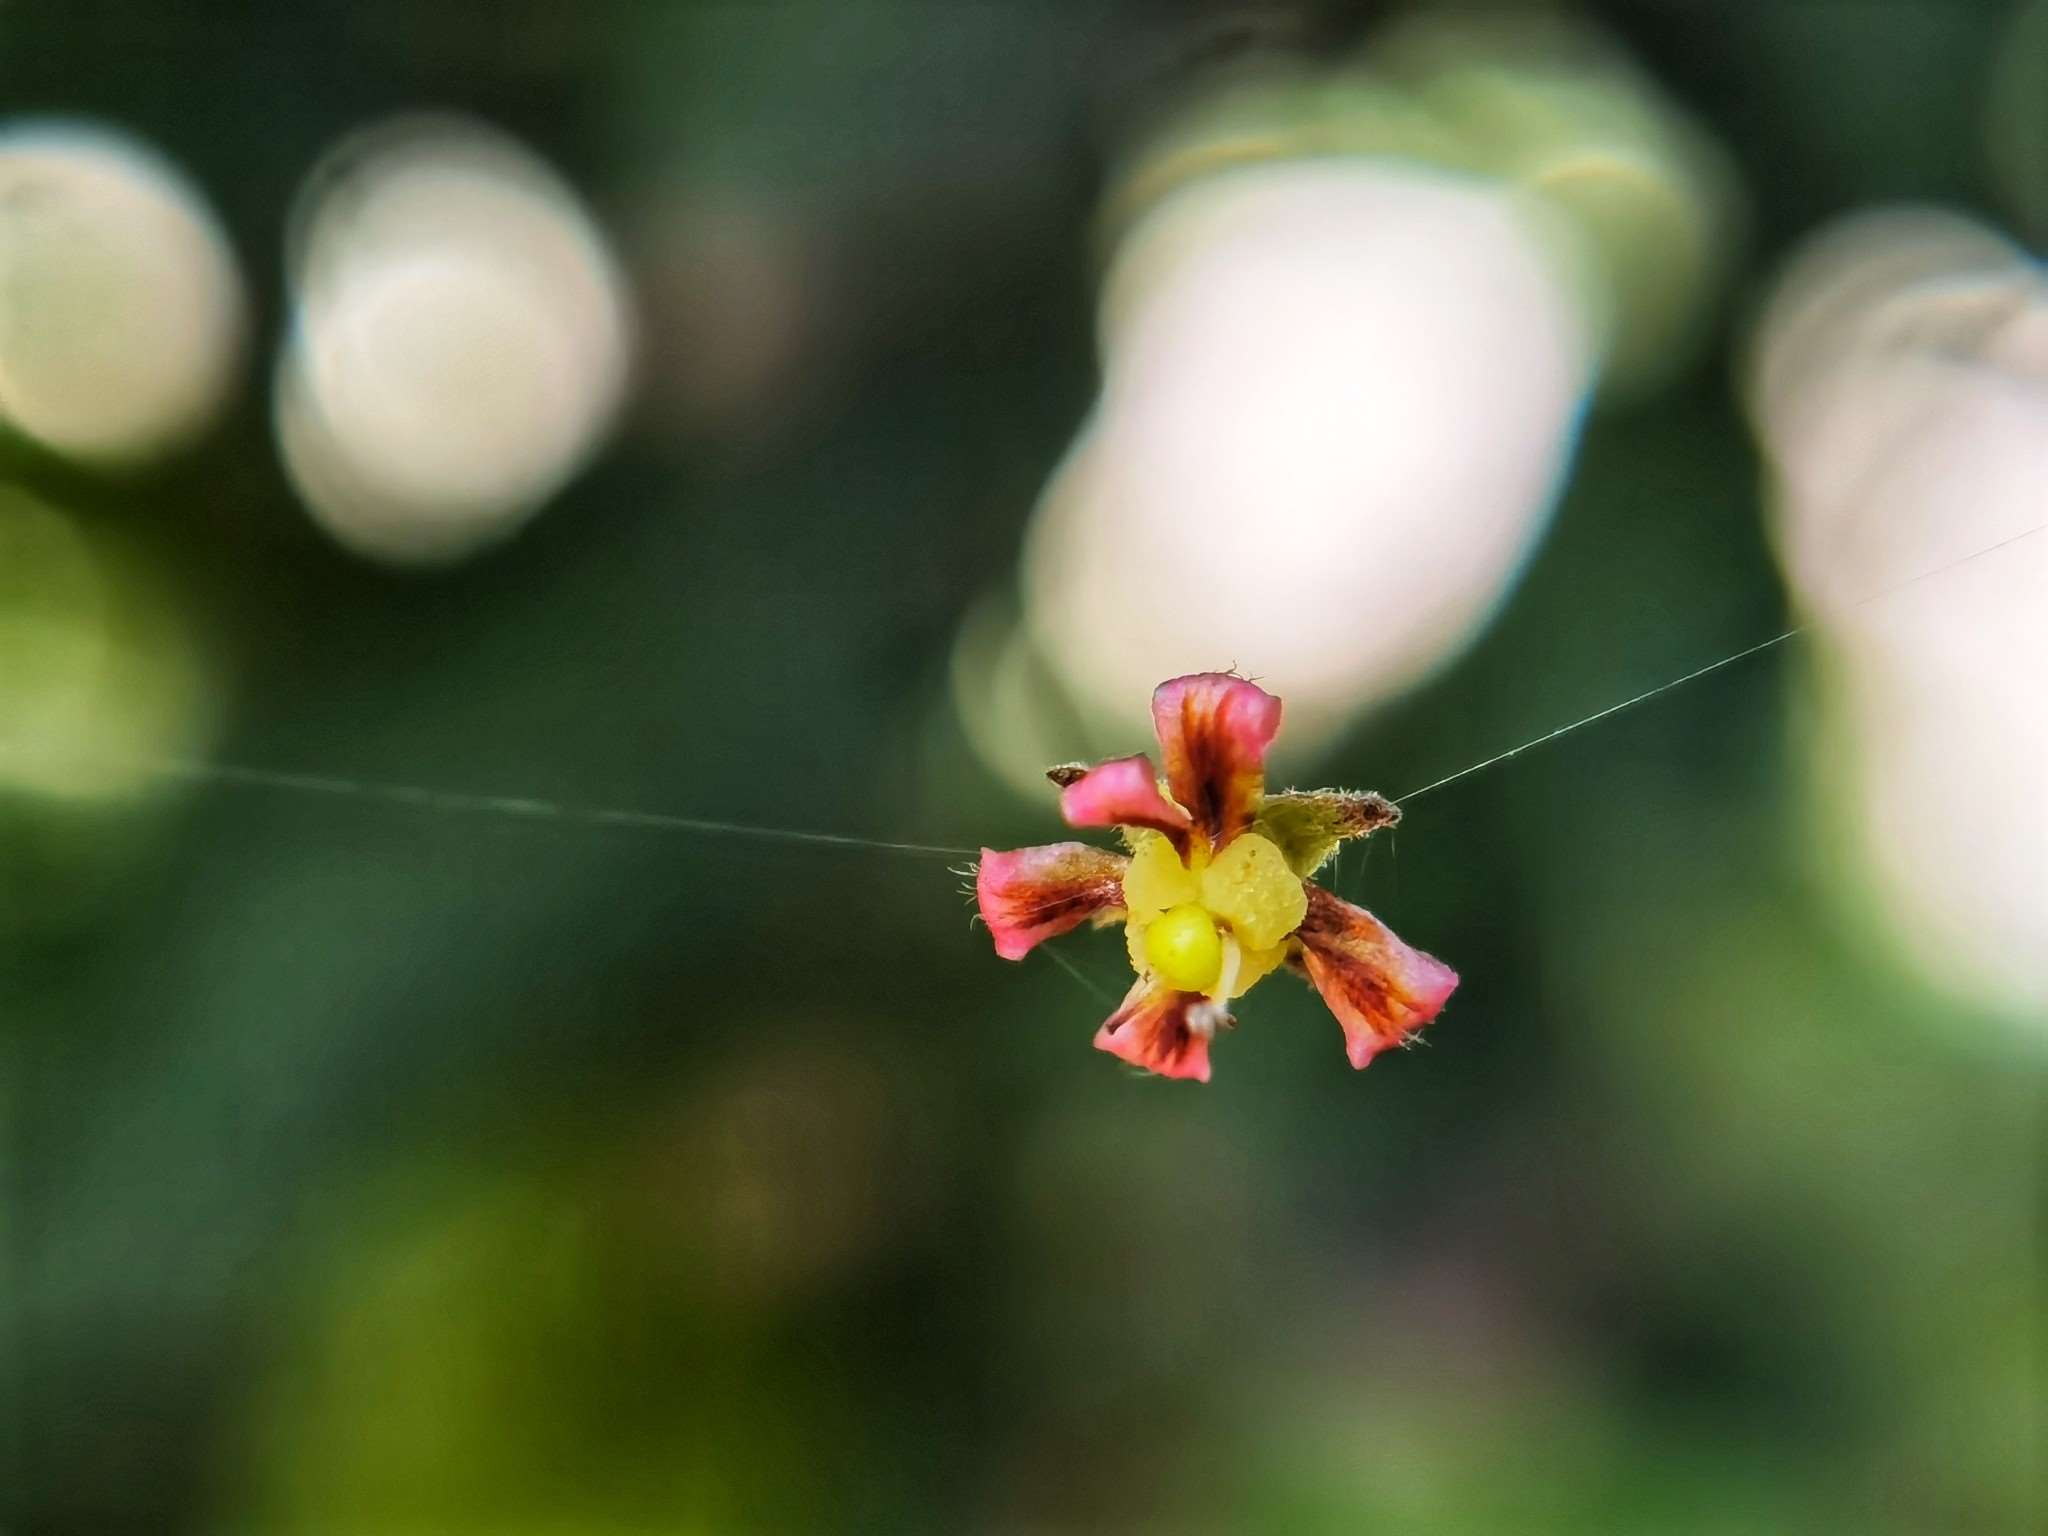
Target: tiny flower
[{"x": 1214, "y": 893}]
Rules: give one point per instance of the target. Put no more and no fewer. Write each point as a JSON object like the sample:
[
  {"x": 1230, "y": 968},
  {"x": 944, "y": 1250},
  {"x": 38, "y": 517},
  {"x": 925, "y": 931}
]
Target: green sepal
[{"x": 1308, "y": 824}]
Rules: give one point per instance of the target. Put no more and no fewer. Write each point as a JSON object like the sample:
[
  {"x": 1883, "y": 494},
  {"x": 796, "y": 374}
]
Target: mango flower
[{"x": 1214, "y": 894}]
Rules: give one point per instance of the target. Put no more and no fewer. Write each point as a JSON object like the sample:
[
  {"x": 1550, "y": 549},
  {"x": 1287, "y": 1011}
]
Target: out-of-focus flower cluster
[
  {"x": 458, "y": 346},
  {"x": 1900, "y": 386},
  {"x": 1350, "y": 320},
  {"x": 121, "y": 312},
  {"x": 459, "y": 336},
  {"x": 459, "y": 341}
]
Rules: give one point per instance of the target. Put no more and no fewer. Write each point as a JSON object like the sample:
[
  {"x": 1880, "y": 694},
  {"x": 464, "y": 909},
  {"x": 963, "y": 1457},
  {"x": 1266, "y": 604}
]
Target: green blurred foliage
[{"x": 370, "y": 1168}]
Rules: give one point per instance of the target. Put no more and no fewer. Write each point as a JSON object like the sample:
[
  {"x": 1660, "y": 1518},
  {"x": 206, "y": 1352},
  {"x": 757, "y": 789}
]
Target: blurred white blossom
[
  {"x": 459, "y": 343},
  {"x": 1900, "y": 383},
  {"x": 1337, "y": 400},
  {"x": 121, "y": 311}
]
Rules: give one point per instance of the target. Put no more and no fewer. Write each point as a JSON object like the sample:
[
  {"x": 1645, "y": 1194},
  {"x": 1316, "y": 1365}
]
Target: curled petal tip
[
  {"x": 1029, "y": 895},
  {"x": 1433, "y": 984},
  {"x": 1121, "y": 792}
]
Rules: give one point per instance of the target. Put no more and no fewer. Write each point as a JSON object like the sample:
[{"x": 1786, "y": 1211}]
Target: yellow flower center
[{"x": 1212, "y": 924}]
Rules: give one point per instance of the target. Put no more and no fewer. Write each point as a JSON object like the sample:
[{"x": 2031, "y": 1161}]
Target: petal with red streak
[
  {"x": 1152, "y": 1029},
  {"x": 1123, "y": 792},
  {"x": 1213, "y": 733},
  {"x": 1032, "y": 894},
  {"x": 1381, "y": 990}
]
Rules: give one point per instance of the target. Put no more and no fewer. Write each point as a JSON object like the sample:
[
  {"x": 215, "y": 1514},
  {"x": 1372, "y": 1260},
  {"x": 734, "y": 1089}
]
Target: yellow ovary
[{"x": 1185, "y": 949}]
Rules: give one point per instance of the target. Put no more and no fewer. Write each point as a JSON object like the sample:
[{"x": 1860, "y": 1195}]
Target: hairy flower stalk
[{"x": 1214, "y": 893}]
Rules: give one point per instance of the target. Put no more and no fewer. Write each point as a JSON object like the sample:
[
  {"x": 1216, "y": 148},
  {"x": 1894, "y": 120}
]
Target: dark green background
[{"x": 375, "y": 1169}]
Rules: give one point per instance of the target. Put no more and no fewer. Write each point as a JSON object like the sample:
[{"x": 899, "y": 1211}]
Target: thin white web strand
[{"x": 529, "y": 809}]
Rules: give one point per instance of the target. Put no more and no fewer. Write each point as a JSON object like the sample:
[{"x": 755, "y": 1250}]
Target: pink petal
[
  {"x": 1151, "y": 1029},
  {"x": 1033, "y": 894},
  {"x": 1381, "y": 990},
  {"x": 1213, "y": 733},
  {"x": 1123, "y": 792}
]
